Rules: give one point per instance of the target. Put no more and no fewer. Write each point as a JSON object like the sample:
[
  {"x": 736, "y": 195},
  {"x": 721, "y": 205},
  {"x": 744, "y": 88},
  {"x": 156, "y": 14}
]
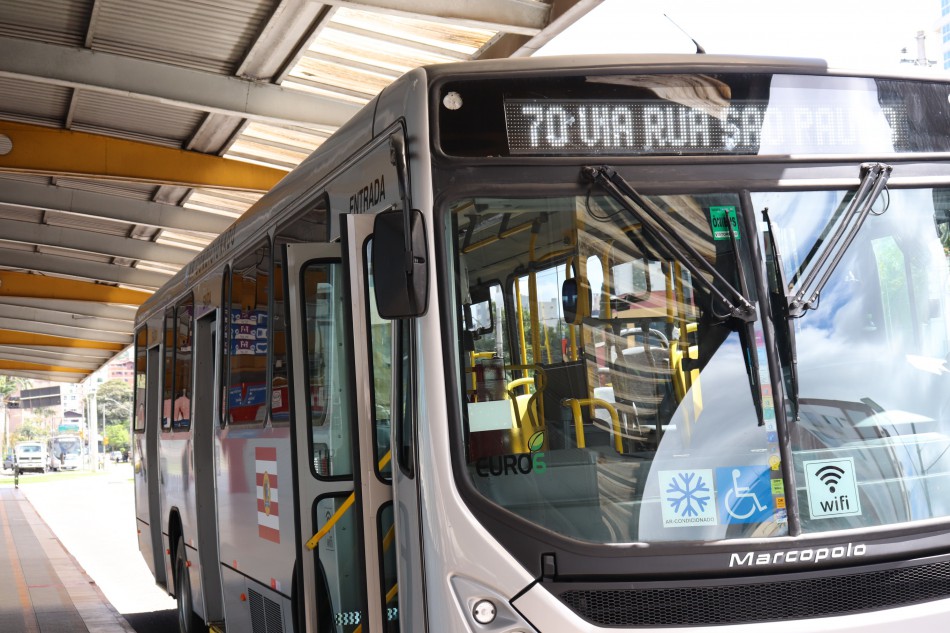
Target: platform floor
[{"x": 42, "y": 588}]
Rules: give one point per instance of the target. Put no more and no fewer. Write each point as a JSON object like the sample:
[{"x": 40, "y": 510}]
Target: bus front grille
[{"x": 767, "y": 599}]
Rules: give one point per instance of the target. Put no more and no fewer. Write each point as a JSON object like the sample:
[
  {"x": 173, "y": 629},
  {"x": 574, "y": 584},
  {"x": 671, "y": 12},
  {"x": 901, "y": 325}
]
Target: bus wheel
[{"x": 188, "y": 621}]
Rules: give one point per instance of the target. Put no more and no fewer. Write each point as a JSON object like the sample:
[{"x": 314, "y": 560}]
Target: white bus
[
  {"x": 569, "y": 345},
  {"x": 65, "y": 452}
]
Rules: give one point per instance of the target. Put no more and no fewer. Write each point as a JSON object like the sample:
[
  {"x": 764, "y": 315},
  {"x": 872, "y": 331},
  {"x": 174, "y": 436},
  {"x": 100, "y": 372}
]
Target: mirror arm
[{"x": 397, "y": 154}]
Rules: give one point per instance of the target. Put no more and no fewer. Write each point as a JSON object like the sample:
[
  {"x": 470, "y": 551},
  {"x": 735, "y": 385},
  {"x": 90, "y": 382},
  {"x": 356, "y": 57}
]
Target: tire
[{"x": 188, "y": 620}]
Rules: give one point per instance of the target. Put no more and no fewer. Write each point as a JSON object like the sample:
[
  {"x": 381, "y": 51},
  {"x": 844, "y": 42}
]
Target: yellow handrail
[
  {"x": 312, "y": 543},
  {"x": 316, "y": 538},
  {"x": 575, "y": 405}
]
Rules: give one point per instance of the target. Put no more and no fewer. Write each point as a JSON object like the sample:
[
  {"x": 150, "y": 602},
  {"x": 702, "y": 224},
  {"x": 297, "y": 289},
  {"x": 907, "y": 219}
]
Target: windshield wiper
[
  {"x": 659, "y": 230},
  {"x": 795, "y": 301},
  {"x": 812, "y": 279},
  {"x": 788, "y": 349}
]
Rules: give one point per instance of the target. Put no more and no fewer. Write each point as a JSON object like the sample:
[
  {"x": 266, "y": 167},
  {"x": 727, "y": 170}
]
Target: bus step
[{"x": 216, "y": 627}]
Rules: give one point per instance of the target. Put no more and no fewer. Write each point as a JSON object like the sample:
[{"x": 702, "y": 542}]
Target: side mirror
[
  {"x": 480, "y": 315},
  {"x": 575, "y": 305},
  {"x": 401, "y": 276}
]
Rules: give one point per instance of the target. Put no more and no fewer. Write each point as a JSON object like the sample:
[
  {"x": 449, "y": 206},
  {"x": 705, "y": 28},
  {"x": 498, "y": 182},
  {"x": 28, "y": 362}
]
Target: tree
[
  {"x": 118, "y": 436},
  {"x": 114, "y": 399},
  {"x": 8, "y": 385},
  {"x": 31, "y": 429}
]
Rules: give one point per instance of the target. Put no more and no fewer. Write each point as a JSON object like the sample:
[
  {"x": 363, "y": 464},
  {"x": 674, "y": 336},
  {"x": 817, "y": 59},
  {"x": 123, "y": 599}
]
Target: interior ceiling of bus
[{"x": 133, "y": 132}]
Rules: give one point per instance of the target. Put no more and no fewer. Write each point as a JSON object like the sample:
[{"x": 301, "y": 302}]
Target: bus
[
  {"x": 624, "y": 343},
  {"x": 65, "y": 452}
]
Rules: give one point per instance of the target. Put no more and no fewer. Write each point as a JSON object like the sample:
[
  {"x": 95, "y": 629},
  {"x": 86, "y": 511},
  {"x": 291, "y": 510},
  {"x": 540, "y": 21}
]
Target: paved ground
[{"x": 94, "y": 518}]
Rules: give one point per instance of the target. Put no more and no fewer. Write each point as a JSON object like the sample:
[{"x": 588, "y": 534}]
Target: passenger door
[{"x": 341, "y": 378}]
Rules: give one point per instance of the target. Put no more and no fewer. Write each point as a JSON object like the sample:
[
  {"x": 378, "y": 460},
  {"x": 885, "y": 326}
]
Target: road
[{"x": 94, "y": 519}]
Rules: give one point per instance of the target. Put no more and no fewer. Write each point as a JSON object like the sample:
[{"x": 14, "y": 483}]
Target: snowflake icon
[{"x": 688, "y": 494}]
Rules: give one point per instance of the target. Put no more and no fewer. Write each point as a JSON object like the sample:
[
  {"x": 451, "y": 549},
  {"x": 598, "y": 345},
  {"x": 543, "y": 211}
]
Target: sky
[{"x": 866, "y": 34}]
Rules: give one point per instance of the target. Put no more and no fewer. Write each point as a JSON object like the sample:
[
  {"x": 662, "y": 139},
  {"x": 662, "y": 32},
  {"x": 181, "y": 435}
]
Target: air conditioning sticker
[
  {"x": 687, "y": 497},
  {"x": 832, "y": 488}
]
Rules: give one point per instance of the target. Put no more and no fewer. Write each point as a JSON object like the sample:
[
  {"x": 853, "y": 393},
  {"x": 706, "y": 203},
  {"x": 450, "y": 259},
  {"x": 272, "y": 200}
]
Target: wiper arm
[
  {"x": 791, "y": 350},
  {"x": 805, "y": 295},
  {"x": 737, "y": 304}
]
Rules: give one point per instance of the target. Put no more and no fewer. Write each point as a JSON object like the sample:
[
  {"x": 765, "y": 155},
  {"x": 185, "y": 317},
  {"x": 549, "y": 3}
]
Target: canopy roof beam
[
  {"x": 16, "y": 284},
  {"x": 53, "y": 152}
]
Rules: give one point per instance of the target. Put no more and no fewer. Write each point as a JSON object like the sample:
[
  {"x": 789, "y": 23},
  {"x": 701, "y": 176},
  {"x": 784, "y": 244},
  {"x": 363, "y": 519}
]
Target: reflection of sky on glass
[
  {"x": 726, "y": 434},
  {"x": 844, "y": 352}
]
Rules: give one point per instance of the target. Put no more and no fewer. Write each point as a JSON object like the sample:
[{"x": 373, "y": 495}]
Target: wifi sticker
[{"x": 832, "y": 489}]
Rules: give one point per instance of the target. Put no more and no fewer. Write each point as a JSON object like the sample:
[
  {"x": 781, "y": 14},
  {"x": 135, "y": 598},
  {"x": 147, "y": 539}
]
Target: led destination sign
[{"x": 571, "y": 127}]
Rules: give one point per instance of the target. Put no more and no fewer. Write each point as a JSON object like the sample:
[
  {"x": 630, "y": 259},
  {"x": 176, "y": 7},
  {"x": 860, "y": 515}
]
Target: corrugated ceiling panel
[
  {"x": 229, "y": 203},
  {"x": 33, "y": 102},
  {"x": 355, "y": 82},
  {"x": 134, "y": 190},
  {"x": 16, "y": 246},
  {"x": 358, "y": 53},
  {"x": 108, "y": 227},
  {"x": 23, "y": 214},
  {"x": 460, "y": 39},
  {"x": 295, "y": 139},
  {"x": 184, "y": 240},
  {"x": 158, "y": 268},
  {"x": 128, "y": 117},
  {"x": 55, "y": 21},
  {"x": 68, "y": 252},
  {"x": 204, "y": 34},
  {"x": 265, "y": 153},
  {"x": 38, "y": 180}
]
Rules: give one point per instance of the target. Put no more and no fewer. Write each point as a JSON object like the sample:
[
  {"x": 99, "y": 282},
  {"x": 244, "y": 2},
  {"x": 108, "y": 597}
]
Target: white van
[{"x": 32, "y": 456}]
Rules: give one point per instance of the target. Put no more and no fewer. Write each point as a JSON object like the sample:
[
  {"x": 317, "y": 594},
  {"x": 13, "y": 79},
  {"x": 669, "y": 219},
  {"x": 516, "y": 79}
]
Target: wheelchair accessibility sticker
[{"x": 745, "y": 494}]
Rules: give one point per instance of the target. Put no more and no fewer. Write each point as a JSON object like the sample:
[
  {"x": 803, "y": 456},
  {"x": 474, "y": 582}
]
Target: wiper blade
[
  {"x": 655, "y": 226},
  {"x": 790, "y": 350},
  {"x": 804, "y": 296}
]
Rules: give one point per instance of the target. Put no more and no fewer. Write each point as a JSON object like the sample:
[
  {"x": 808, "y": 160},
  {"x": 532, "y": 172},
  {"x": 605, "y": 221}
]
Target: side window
[
  {"x": 246, "y": 335},
  {"x": 223, "y": 355},
  {"x": 403, "y": 409},
  {"x": 141, "y": 363},
  {"x": 176, "y": 384},
  {"x": 184, "y": 336},
  {"x": 168, "y": 374},
  {"x": 381, "y": 370},
  {"x": 310, "y": 227},
  {"x": 326, "y": 366}
]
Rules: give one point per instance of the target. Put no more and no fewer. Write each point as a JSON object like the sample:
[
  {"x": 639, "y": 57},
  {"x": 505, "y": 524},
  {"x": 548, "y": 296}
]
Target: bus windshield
[
  {"x": 65, "y": 445},
  {"x": 608, "y": 396}
]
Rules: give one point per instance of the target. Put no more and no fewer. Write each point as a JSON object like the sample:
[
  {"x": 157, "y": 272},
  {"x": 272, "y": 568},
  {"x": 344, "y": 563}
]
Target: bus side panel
[
  {"x": 178, "y": 484},
  {"x": 255, "y": 512},
  {"x": 258, "y": 602}
]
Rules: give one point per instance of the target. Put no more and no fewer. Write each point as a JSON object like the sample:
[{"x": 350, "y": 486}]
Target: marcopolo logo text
[{"x": 796, "y": 556}]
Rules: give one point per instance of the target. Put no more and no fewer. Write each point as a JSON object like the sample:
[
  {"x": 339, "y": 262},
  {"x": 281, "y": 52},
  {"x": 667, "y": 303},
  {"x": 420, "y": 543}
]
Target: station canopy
[{"x": 133, "y": 132}]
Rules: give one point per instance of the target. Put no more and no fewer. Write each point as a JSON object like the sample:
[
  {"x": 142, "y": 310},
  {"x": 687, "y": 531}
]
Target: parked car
[{"x": 8, "y": 461}]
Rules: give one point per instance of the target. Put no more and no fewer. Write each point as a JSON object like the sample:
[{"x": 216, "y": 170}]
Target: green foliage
[
  {"x": 9, "y": 384},
  {"x": 31, "y": 429},
  {"x": 114, "y": 399},
  {"x": 118, "y": 436}
]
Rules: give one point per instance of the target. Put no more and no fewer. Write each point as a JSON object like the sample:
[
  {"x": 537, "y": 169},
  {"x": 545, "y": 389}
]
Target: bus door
[
  {"x": 340, "y": 392},
  {"x": 147, "y": 477}
]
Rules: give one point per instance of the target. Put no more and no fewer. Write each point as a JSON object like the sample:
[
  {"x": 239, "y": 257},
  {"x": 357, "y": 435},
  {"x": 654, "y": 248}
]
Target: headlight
[{"x": 487, "y": 610}]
